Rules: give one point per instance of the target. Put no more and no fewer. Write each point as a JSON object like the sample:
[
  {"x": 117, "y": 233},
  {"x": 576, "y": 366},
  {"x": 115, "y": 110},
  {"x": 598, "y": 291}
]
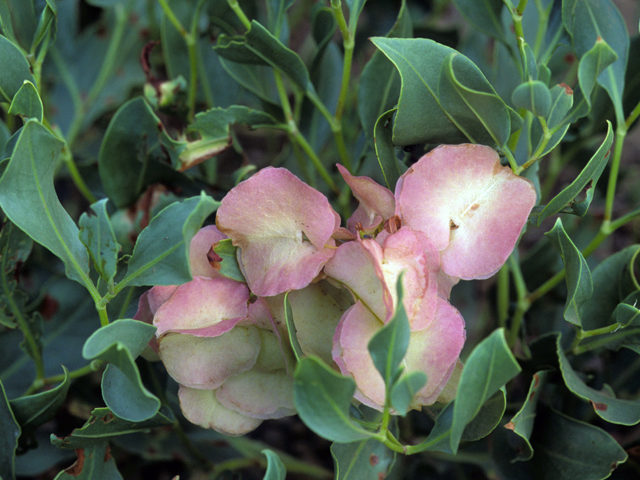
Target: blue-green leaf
[
  {"x": 534, "y": 96},
  {"x": 592, "y": 64},
  {"x": 361, "y": 460},
  {"x": 404, "y": 389},
  {"x": 15, "y": 69},
  {"x": 484, "y": 15},
  {"x": 161, "y": 254},
  {"x": 26, "y": 102},
  {"x": 382, "y": 139},
  {"x": 94, "y": 463},
  {"x": 9, "y": 433},
  {"x": 229, "y": 266},
  {"x": 579, "y": 283},
  {"x": 36, "y": 209},
  {"x": 96, "y": 232},
  {"x": 275, "y": 468},
  {"x": 323, "y": 399}
]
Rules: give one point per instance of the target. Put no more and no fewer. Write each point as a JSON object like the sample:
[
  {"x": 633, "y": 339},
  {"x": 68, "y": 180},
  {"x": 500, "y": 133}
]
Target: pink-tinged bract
[
  {"x": 469, "y": 205},
  {"x": 376, "y": 202},
  {"x": 203, "y": 408},
  {"x": 203, "y": 307},
  {"x": 283, "y": 228}
]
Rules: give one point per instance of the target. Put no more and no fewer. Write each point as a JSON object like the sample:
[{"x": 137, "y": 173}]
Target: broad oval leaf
[
  {"x": 15, "y": 69},
  {"x": 361, "y": 460},
  {"x": 592, "y": 64},
  {"x": 485, "y": 15},
  {"x": 161, "y": 254},
  {"x": 94, "y": 462},
  {"x": 275, "y": 468},
  {"x": 579, "y": 281},
  {"x": 534, "y": 96},
  {"x": 323, "y": 399},
  {"x": 489, "y": 367},
  {"x": 26, "y": 102},
  {"x": 35, "y": 208}
]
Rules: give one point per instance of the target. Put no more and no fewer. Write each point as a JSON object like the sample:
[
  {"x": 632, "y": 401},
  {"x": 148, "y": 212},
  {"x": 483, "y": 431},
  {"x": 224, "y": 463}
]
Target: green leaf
[
  {"x": 579, "y": 283},
  {"x": 323, "y": 27},
  {"x": 533, "y": 96},
  {"x": 522, "y": 422},
  {"x": 96, "y": 233},
  {"x": 229, "y": 266},
  {"x": 607, "y": 407},
  {"x": 119, "y": 343},
  {"x": 444, "y": 96},
  {"x": 379, "y": 83},
  {"x": 26, "y": 102},
  {"x": 529, "y": 66},
  {"x": 9, "y": 433},
  {"x": 355, "y": 9},
  {"x": 323, "y": 399},
  {"x": 567, "y": 200},
  {"x": 291, "y": 328},
  {"x": 94, "y": 463},
  {"x": 389, "y": 345},
  {"x": 276, "y": 15},
  {"x": 609, "y": 279},
  {"x": 626, "y": 313},
  {"x": 404, "y": 389},
  {"x": 32, "y": 411},
  {"x": 471, "y": 102},
  {"x": 268, "y": 48},
  {"x": 258, "y": 79},
  {"x": 36, "y": 209},
  {"x": 135, "y": 153},
  {"x": 561, "y": 103},
  {"x": 15, "y": 69},
  {"x": 487, "y": 419},
  {"x": 161, "y": 254},
  {"x": 489, "y": 367},
  {"x": 213, "y": 127},
  {"x": 567, "y": 449},
  {"x": 361, "y": 460},
  {"x": 47, "y": 25},
  {"x": 103, "y": 424},
  {"x": 592, "y": 64},
  {"x": 15, "y": 247},
  {"x": 588, "y": 20},
  {"x": 485, "y": 16},
  {"x": 385, "y": 152},
  {"x": 275, "y": 468}
]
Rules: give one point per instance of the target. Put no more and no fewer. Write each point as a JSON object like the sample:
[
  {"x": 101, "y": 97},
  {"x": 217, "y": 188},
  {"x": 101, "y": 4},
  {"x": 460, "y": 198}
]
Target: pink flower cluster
[{"x": 456, "y": 214}]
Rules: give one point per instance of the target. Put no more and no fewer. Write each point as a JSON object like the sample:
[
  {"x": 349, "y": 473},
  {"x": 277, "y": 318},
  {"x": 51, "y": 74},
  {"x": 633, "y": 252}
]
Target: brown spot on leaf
[
  {"x": 567, "y": 89},
  {"x": 374, "y": 460},
  {"x": 107, "y": 454},
  {"x": 536, "y": 379},
  {"x": 475, "y": 206},
  {"x": 510, "y": 426},
  {"x": 599, "y": 406},
  {"x": 76, "y": 469},
  {"x": 569, "y": 58},
  {"x": 452, "y": 225},
  {"x": 382, "y": 475},
  {"x": 108, "y": 417},
  {"x": 48, "y": 307}
]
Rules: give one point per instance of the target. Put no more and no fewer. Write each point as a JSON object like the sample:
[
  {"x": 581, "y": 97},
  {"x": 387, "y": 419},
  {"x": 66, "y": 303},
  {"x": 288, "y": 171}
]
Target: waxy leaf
[
  {"x": 135, "y": 153},
  {"x": 379, "y": 83},
  {"x": 422, "y": 115},
  {"x": 9, "y": 433},
  {"x": 229, "y": 264},
  {"x": 487, "y": 419},
  {"x": 533, "y": 96},
  {"x": 15, "y": 69},
  {"x": 471, "y": 102},
  {"x": 96, "y": 232},
  {"x": 609, "y": 278},
  {"x": 404, "y": 389},
  {"x": 588, "y": 20},
  {"x": 276, "y": 16},
  {"x": 485, "y": 16},
  {"x": 26, "y": 102},
  {"x": 161, "y": 255},
  {"x": 567, "y": 200},
  {"x": 522, "y": 422},
  {"x": 355, "y": 9},
  {"x": 323, "y": 399},
  {"x": 567, "y": 449},
  {"x": 592, "y": 64},
  {"x": 36, "y": 209},
  {"x": 119, "y": 343},
  {"x": 275, "y": 468},
  {"x": 611, "y": 409},
  {"x": 15, "y": 247},
  {"x": 389, "y": 345},
  {"x": 291, "y": 328},
  {"x": 561, "y": 103},
  {"x": 489, "y": 367},
  {"x": 103, "y": 424},
  {"x": 361, "y": 460},
  {"x": 579, "y": 283},
  {"x": 385, "y": 151},
  {"x": 94, "y": 463},
  {"x": 34, "y": 410}
]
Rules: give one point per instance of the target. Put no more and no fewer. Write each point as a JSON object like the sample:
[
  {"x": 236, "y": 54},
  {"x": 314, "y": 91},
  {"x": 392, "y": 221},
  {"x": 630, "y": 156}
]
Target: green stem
[
  {"x": 106, "y": 70},
  {"x": 348, "y": 42},
  {"x": 239, "y": 13},
  {"x": 172, "y": 18},
  {"x": 603, "y": 341},
  {"x": 336, "y": 128},
  {"x": 633, "y": 116},
  {"x": 621, "y": 133},
  {"x": 546, "y": 136},
  {"x": 94, "y": 366},
  {"x": 523, "y": 302},
  {"x": 503, "y": 295}
]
